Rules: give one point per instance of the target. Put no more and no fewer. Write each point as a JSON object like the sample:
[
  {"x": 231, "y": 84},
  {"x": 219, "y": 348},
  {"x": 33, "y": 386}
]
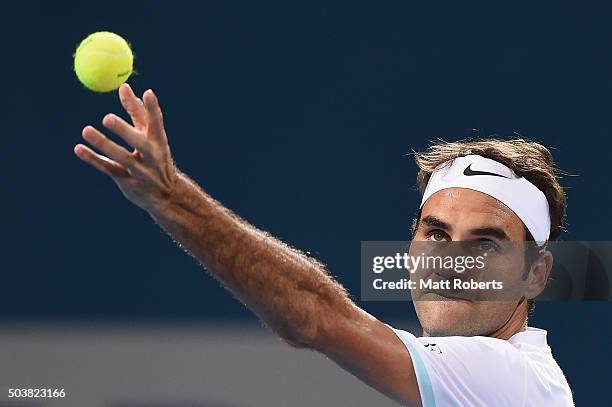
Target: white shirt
[{"x": 483, "y": 371}]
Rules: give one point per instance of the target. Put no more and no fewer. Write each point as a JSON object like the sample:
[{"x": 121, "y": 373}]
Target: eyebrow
[
  {"x": 490, "y": 231},
  {"x": 432, "y": 221}
]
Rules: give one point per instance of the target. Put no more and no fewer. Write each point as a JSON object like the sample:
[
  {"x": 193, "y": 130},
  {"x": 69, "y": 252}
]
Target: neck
[{"x": 516, "y": 323}]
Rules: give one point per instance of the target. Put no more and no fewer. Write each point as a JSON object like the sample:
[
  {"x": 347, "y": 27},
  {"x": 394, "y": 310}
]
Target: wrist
[{"x": 169, "y": 198}]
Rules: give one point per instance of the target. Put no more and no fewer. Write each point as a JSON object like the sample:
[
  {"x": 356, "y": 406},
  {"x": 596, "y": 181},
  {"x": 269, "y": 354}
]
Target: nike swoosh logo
[{"x": 470, "y": 172}]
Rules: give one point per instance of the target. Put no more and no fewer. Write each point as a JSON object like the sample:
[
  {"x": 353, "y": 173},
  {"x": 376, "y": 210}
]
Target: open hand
[{"x": 146, "y": 175}]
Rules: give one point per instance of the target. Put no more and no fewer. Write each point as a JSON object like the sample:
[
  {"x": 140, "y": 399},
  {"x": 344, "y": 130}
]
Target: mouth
[{"x": 437, "y": 296}]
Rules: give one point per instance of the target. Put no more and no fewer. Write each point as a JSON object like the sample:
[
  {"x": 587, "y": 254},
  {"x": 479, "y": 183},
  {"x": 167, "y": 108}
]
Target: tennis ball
[{"x": 103, "y": 61}]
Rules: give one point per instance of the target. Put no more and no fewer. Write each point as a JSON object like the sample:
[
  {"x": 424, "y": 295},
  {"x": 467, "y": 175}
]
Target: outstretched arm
[{"x": 290, "y": 292}]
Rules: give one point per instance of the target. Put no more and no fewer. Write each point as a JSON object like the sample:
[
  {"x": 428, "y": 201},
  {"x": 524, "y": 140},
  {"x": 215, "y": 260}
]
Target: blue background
[{"x": 300, "y": 117}]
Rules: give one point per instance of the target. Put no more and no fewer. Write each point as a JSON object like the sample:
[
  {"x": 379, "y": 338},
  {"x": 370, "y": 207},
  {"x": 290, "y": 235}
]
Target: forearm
[{"x": 288, "y": 290}]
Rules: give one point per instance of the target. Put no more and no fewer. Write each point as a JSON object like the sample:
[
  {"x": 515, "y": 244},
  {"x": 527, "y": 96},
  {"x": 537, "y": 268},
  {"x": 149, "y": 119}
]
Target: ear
[{"x": 538, "y": 275}]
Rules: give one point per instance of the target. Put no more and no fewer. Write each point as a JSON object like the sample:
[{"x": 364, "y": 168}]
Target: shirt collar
[{"x": 533, "y": 336}]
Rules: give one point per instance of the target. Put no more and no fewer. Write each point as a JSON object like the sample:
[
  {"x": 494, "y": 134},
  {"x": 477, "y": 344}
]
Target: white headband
[{"x": 495, "y": 179}]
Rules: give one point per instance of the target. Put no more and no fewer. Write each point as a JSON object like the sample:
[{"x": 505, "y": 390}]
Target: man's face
[{"x": 459, "y": 214}]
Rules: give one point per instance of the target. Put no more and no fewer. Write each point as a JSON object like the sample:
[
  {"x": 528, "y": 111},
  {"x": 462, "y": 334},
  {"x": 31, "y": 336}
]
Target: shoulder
[
  {"x": 481, "y": 371},
  {"x": 457, "y": 370},
  {"x": 545, "y": 378}
]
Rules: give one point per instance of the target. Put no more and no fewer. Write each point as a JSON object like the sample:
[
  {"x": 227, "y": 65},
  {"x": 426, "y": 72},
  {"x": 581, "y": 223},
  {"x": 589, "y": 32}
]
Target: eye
[
  {"x": 437, "y": 236},
  {"x": 486, "y": 245}
]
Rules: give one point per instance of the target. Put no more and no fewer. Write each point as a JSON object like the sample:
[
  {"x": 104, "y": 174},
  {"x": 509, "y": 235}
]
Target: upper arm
[
  {"x": 370, "y": 350},
  {"x": 476, "y": 371}
]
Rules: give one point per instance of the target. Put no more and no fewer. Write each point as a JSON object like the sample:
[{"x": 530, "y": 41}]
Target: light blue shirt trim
[{"x": 423, "y": 380}]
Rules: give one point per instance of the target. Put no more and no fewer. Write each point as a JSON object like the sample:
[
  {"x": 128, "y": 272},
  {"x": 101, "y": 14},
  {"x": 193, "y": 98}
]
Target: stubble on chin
[{"x": 448, "y": 318}]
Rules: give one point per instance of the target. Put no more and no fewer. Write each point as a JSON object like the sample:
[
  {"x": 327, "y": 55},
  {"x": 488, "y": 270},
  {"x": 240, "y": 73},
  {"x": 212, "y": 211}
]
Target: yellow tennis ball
[{"x": 103, "y": 61}]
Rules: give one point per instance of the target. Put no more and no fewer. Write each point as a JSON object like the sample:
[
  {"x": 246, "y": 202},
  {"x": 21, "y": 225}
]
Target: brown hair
[{"x": 526, "y": 158}]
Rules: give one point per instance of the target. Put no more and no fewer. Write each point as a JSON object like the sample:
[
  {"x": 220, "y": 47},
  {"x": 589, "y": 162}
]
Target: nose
[{"x": 447, "y": 262}]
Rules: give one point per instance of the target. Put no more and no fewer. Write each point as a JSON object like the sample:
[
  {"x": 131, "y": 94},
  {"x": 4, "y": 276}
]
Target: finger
[
  {"x": 155, "y": 120},
  {"x": 133, "y": 106},
  {"x": 101, "y": 163},
  {"x": 111, "y": 149},
  {"x": 126, "y": 131}
]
